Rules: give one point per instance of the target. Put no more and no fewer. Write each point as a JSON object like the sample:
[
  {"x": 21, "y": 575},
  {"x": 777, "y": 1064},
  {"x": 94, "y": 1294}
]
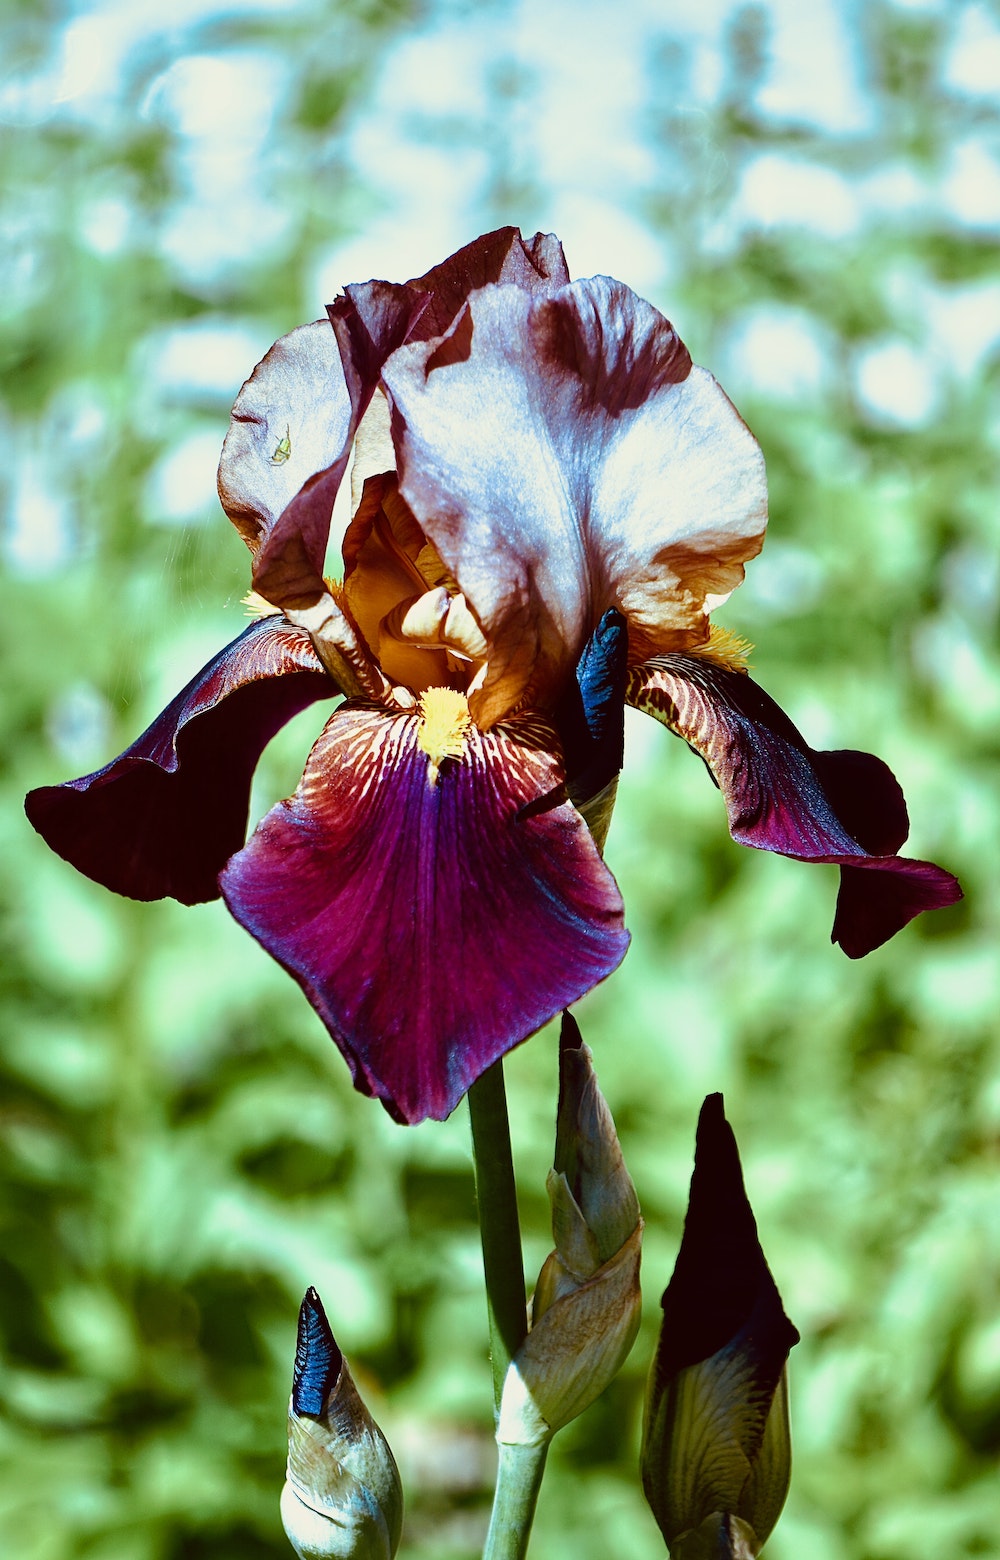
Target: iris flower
[{"x": 548, "y": 500}]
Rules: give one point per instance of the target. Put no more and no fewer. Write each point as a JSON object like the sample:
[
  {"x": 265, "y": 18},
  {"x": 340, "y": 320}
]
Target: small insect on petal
[{"x": 283, "y": 448}]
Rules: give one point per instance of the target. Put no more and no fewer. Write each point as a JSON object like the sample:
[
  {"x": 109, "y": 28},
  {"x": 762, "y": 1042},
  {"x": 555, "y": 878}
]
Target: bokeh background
[{"x": 812, "y": 193}]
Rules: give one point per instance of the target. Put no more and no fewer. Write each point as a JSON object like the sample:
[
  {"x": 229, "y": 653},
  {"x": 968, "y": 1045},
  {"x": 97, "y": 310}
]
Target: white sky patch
[
  {"x": 578, "y": 127},
  {"x": 965, "y": 322},
  {"x": 38, "y": 537},
  {"x": 406, "y": 245},
  {"x": 575, "y": 127},
  {"x": 94, "y": 48},
  {"x": 813, "y": 75},
  {"x": 79, "y": 725},
  {"x": 227, "y": 99},
  {"x": 781, "y": 191},
  {"x": 590, "y": 65},
  {"x": 75, "y": 423},
  {"x": 209, "y": 359},
  {"x": 785, "y": 579},
  {"x": 970, "y": 191},
  {"x": 105, "y": 224},
  {"x": 181, "y": 487},
  {"x": 972, "y": 65},
  {"x": 602, "y": 241},
  {"x": 777, "y": 352},
  {"x": 222, "y": 107},
  {"x": 897, "y": 384},
  {"x": 893, "y": 190},
  {"x": 204, "y": 238}
]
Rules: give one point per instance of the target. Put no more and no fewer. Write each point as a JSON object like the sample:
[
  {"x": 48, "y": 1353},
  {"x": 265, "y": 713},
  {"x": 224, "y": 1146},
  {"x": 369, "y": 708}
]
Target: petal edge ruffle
[
  {"x": 564, "y": 457},
  {"x": 844, "y": 808}
]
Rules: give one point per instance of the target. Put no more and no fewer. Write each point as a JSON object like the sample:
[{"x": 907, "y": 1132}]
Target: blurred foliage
[{"x": 182, "y": 1150}]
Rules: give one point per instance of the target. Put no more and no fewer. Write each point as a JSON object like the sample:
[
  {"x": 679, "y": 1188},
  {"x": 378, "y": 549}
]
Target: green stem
[
  {"x": 496, "y": 1195},
  {"x": 518, "y": 1478}
]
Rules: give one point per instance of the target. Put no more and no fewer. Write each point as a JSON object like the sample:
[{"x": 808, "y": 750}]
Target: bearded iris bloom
[{"x": 548, "y": 500}]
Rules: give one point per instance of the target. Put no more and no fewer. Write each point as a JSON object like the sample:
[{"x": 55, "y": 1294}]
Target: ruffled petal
[
  {"x": 564, "y": 457},
  {"x": 165, "y": 817},
  {"x": 782, "y": 795},
  {"x": 432, "y": 925},
  {"x": 284, "y": 458},
  {"x": 294, "y": 420},
  {"x": 374, "y": 318}
]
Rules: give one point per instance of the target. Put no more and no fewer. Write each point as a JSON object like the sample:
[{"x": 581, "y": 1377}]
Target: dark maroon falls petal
[
  {"x": 782, "y": 795},
  {"x": 433, "y": 922},
  {"x": 164, "y": 817}
]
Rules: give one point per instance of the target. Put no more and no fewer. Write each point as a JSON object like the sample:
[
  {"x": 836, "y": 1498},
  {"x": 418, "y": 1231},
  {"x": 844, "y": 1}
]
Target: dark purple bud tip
[
  {"x": 570, "y": 1038},
  {"x": 317, "y": 1358},
  {"x": 721, "y": 1281}
]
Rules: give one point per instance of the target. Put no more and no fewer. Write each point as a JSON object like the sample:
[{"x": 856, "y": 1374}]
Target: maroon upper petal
[
  {"x": 165, "y": 816},
  {"x": 781, "y": 795},
  {"x": 433, "y": 924},
  {"x": 374, "y": 318}
]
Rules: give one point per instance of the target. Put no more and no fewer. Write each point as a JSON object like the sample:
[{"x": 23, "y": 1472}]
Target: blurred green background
[{"x": 812, "y": 193}]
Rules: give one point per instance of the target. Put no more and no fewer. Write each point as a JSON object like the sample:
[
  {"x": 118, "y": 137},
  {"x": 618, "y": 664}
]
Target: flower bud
[
  {"x": 716, "y": 1453},
  {"x": 720, "y": 1537},
  {"x": 585, "y": 1309},
  {"x": 342, "y": 1498}
]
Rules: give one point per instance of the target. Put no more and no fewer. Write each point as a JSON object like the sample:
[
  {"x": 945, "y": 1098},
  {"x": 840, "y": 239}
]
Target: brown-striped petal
[
  {"x": 782, "y": 795},
  {"x": 165, "y": 816},
  {"x": 564, "y": 457},
  {"x": 435, "y": 914},
  {"x": 295, "y": 419}
]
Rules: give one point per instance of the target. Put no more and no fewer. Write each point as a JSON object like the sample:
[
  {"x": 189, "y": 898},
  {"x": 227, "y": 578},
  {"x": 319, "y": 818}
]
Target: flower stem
[
  {"x": 503, "y": 1263},
  {"x": 519, "y": 1476}
]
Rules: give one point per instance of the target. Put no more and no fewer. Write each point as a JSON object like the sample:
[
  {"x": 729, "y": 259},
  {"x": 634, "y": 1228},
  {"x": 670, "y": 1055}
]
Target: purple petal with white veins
[
  {"x": 165, "y": 816},
  {"x": 432, "y": 926},
  {"x": 564, "y": 457},
  {"x": 781, "y": 795}
]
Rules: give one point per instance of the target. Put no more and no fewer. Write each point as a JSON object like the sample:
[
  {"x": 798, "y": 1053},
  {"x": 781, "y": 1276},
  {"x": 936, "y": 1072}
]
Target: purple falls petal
[
  {"x": 165, "y": 816},
  {"x": 781, "y": 795},
  {"x": 432, "y": 926}
]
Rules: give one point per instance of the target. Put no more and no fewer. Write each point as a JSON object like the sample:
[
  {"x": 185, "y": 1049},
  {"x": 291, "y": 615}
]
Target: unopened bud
[
  {"x": 720, "y": 1537},
  {"x": 342, "y": 1498},
  {"x": 585, "y": 1309},
  {"x": 716, "y": 1453}
]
